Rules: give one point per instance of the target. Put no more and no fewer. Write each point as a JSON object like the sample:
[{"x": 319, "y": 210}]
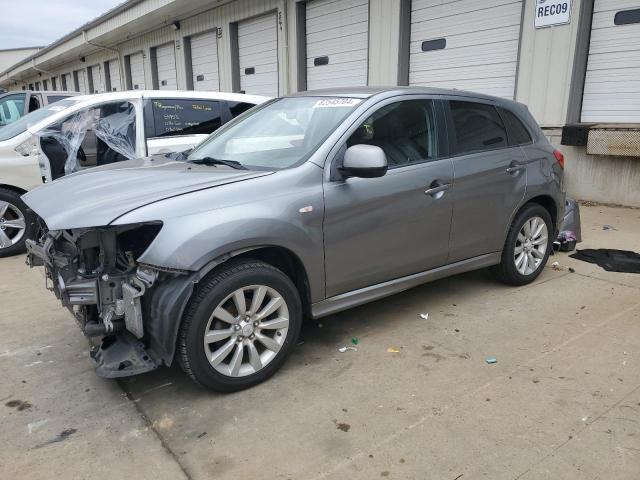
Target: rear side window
[
  {"x": 236, "y": 108},
  {"x": 56, "y": 98},
  {"x": 170, "y": 117},
  {"x": 478, "y": 127},
  {"x": 518, "y": 133}
]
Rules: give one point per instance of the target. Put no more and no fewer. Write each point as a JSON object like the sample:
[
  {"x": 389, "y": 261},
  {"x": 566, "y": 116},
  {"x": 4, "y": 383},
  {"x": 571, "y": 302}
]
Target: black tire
[
  {"x": 506, "y": 271},
  {"x": 213, "y": 290},
  {"x": 13, "y": 198}
]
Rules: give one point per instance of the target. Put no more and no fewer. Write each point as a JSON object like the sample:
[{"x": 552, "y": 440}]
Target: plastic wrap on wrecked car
[{"x": 113, "y": 126}]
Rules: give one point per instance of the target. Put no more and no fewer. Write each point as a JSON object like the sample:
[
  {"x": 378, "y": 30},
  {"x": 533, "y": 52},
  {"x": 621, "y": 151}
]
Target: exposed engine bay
[{"x": 94, "y": 273}]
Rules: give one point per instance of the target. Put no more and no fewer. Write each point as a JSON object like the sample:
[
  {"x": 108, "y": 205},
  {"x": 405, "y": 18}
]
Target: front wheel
[
  {"x": 240, "y": 326},
  {"x": 527, "y": 246},
  {"x": 16, "y": 223}
]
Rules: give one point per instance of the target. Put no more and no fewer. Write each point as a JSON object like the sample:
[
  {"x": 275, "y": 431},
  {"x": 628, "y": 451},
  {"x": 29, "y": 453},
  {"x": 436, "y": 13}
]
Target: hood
[{"x": 97, "y": 196}]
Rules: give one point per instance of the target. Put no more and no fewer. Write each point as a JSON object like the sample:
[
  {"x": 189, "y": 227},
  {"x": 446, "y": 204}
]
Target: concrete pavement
[{"x": 563, "y": 400}]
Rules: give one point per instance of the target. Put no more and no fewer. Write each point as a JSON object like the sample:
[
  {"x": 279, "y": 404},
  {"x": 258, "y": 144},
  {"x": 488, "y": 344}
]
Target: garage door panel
[
  {"x": 612, "y": 86},
  {"x": 114, "y": 75},
  {"x": 138, "y": 80},
  {"x": 482, "y": 39},
  {"x": 204, "y": 61},
  {"x": 258, "y": 49},
  {"x": 338, "y": 30},
  {"x": 166, "y": 67}
]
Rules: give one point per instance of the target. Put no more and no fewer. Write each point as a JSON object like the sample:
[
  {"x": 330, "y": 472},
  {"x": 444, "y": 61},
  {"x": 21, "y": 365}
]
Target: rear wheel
[
  {"x": 16, "y": 223},
  {"x": 240, "y": 326},
  {"x": 527, "y": 246}
]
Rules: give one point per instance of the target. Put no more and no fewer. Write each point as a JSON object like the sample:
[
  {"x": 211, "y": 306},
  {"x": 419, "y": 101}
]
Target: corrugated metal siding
[
  {"x": 612, "y": 83},
  {"x": 204, "y": 62},
  {"x": 338, "y": 32},
  {"x": 258, "y": 51},
  {"x": 481, "y": 52},
  {"x": 166, "y": 65}
]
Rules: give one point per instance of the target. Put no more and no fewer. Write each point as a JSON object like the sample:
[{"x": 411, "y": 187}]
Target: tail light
[{"x": 559, "y": 158}]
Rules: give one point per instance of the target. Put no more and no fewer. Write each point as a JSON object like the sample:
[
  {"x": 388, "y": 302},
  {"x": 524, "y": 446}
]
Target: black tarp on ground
[{"x": 611, "y": 260}]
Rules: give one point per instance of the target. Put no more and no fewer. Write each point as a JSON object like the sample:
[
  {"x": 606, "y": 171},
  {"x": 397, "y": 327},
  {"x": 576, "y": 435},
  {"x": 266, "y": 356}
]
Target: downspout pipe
[{"x": 118, "y": 52}]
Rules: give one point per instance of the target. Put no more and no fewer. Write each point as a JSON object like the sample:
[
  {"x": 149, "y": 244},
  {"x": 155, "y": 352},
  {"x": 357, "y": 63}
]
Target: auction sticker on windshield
[{"x": 337, "y": 102}]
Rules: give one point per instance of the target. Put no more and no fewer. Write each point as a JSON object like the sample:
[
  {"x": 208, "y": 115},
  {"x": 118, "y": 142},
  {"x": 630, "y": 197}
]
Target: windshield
[
  {"x": 21, "y": 125},
  {"x": 282, "y": 134}
]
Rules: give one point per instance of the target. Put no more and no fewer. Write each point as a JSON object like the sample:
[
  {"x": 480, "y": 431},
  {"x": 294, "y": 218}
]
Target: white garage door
[
  {"x": 258, "y": 51},
  {"x": 136, "y": 62},
  {"x": 166, "y": 65},
  {"x": 67, "y": 84},
  {"x": 114, "y": 75},
  {"x": 612, "y": 84},
  {"x": 465, "y": 44},
  {"x": 96, "y": 79},
  {"x": 337, "y": 43},
  {"x": 204, "y": 62},
  {"x": 83, "y": 86}
]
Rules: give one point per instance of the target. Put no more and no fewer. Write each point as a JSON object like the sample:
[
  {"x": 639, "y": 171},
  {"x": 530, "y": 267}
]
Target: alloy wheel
[
  {"x": 246, "y": 330},
  {"x": 531, "y": 245},
  {"x": 12, "y": 224}
]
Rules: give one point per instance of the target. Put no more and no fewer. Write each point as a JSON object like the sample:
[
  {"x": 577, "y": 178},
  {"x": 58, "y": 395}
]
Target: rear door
[
  {"x": 490, "y": 179},
  {"x": 380, "y": 229}
]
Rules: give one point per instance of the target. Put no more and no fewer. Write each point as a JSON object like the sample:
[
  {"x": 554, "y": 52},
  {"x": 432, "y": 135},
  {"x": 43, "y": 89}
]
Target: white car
[{"x": 90, "y": 130}]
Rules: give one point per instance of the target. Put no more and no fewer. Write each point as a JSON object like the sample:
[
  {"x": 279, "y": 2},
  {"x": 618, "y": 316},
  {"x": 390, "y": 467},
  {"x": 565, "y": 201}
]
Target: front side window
[
  {"x": 478, "y": 127},
  {"x": 95, "y": 136},
  {"x": 171, "y": 117},
  {"x": 21, "y": 125},
  {"x": 280, "y": 134},
  {"x": 405, "y": 131},
  {"x": 11, "y": 108}
]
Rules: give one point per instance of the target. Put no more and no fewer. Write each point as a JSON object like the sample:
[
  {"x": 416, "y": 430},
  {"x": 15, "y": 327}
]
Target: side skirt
[{"x": 381, "y": 290}]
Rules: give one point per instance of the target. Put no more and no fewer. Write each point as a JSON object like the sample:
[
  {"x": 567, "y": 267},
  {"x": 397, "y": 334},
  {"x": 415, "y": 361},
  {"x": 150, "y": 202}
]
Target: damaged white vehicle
[{"x": 87, "y": 131}]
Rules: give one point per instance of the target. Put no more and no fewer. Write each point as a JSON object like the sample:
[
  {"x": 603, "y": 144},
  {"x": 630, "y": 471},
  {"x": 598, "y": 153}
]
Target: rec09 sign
[{"x": 552, "y": 12}]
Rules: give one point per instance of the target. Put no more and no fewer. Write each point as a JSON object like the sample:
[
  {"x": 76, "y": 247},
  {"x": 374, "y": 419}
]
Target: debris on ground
[
  {"x": 424, "y": 316},
  {"x": 608, "y": 227},
  {"x": 344, "y": 349},
  {"x": 556, "y": 266},
  {"x": 566, "y": 241},
  {"x": 611, "y": 260},
  {"x": 354, "y": 340},
  {"x": 393, "y": 350},
  {"x": 572, "y": 270},
  {"x": 202, "y": 434},
  {"x": 491, "y": 360}
]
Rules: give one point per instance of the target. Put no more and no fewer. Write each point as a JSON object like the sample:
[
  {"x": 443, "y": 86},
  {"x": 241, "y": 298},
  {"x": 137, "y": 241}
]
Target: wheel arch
[
  {"x": 549, "y": 204},
  {"x": 13, "y": 188}
]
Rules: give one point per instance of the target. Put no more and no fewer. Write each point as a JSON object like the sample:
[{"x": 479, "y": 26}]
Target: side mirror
[{"x": 364, "y": 161}]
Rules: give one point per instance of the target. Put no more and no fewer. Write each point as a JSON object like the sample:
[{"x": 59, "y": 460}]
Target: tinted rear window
[
  {"x": 236, "y": 108},
  {"x": 172, "y": 117},
  {"x": 518, "y": 133},
  {"x": 478, "y": 127}
]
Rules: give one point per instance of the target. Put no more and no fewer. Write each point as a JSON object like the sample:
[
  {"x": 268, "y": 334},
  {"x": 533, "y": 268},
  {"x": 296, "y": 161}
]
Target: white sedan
[{"x": 90, "y": 130}]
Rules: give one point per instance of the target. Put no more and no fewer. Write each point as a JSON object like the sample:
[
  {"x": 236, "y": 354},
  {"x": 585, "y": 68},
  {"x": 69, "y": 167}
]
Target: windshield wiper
[{"x": 217, "y": 161}]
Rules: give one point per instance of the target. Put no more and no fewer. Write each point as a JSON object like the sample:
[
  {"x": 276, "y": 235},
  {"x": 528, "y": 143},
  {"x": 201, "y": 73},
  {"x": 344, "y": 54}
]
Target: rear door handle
[
  {"x": 514, "y": 168},
  {"x": 433, "y": 191}
]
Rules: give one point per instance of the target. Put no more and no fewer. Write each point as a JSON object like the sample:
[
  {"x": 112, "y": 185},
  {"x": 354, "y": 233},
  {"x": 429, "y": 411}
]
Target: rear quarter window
[
  {"x": 518, "y": 133},
  {"x": 478, "y": 127},
  {"x": 237, "y": 108},
  {"x": 171, "y": 117}
]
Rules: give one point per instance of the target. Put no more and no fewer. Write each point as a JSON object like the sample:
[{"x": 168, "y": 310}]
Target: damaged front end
[{"x": 94, "y": 273}]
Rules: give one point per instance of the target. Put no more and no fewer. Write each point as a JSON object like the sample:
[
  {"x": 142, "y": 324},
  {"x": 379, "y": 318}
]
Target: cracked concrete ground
[{"x": 562, "y": 401}]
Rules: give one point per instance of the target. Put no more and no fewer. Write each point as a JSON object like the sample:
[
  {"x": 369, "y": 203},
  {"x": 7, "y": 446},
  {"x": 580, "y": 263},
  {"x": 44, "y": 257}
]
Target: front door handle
[{"x": 437, "y": 189}]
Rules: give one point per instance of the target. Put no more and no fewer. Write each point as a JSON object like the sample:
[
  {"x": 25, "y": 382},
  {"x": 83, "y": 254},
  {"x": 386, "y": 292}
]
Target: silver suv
[{"x": 303, "y": 206}]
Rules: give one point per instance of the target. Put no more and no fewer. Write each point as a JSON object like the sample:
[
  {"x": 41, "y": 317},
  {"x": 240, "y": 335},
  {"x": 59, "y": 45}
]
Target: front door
[
  {"x": 490, "y": 180},
  {"x": 380, "y": 229}
]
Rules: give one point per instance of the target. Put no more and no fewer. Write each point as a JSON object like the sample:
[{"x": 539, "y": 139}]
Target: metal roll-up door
[
  {"x": 337, "y": 37},
  {"x": 166, "y": 67},
  {"x": 465, "y": 44},
  {"x": 136, "y": 64},
  {"x": 96, "y": 79},
  {"x": 67, "y": 84},
  {"x": 612, "y": 84},
  {"x": 114, "y": 75},
  {"x": 83, "y": 86},
  {"x": 204, "y": 62},
  {"x": 258, "y": 55}
]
